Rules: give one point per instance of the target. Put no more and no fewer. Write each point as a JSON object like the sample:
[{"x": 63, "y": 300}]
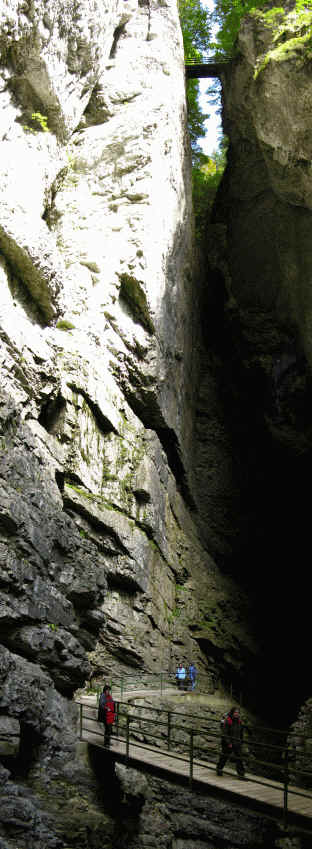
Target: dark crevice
[
  {"x": 104, "y": 424},
  {"x": 151, "y": 417},
  {"x": 21, "y": 764},
  {"x": 20, "y": 292},
  {"x": 171, "y": 448},
  {"x": 60, "y": 479},
  {"x": 52, "y": 415},
  {"x": 122, "y": 582},
  {"x": 117, "y": 33}
]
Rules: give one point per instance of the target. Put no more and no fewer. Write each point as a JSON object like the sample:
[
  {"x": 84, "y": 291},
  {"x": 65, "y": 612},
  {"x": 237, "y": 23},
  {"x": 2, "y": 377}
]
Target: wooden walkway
[{"x": 258, "y": 793}]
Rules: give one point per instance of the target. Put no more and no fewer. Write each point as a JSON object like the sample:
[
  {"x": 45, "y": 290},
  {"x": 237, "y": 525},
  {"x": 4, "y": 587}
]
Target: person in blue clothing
[
  {"x": 181, "y": 676},
  {"x": 192, "y": 675}
]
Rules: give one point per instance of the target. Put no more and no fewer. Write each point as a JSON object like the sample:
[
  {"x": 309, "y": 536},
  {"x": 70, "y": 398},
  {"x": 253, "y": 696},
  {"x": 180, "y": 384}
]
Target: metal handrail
[
  {"x": 125, "y": 719},
  {"x": 204, "y": 726},
  {"x": 206, "y": 60},
  {"x": 128, "y": 680}
]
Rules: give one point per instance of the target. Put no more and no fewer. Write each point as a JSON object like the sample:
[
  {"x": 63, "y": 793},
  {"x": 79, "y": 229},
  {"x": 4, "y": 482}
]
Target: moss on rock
[{"x": 131, "y": 291}]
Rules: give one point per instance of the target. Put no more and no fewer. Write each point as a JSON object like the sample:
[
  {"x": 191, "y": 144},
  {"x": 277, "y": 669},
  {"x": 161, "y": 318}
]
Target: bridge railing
[
  {"x": 160, "y": 681},
  {"x": 207, "y": 60},
  {"x": 269, "y": 763},
  {"x": 157, "y": 681}
]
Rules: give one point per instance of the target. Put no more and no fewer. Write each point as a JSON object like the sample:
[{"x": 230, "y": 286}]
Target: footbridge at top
[
  {"x": 184, "y": 748},
  {"x": 208, "y": 66}
]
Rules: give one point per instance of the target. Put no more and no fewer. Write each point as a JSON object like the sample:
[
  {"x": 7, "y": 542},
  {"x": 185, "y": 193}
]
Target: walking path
[{"x": 258, "y": 792}]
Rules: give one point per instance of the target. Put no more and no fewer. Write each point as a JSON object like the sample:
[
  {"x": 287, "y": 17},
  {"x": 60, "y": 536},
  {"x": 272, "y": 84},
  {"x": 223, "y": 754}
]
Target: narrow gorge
[{"x": 155, "y": 405}]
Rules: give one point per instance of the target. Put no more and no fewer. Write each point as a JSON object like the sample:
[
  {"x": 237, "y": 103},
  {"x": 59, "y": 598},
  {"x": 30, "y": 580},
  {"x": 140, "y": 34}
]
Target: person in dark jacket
[
  {"x": 106, "y": 714},
  {"x": 192, "y": 675},
  {"x": 231, "y": 742}
]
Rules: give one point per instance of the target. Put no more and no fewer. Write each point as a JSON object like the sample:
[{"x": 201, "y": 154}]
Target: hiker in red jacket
[
  {"x": 231, "y": 741},
  {"x": 106, "y": 714}
]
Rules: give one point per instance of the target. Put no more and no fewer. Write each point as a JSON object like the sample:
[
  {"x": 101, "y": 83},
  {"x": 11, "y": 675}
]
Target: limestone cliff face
[
  {"x": 102, "y": 568},
  {"x": 262, "y": 225}
]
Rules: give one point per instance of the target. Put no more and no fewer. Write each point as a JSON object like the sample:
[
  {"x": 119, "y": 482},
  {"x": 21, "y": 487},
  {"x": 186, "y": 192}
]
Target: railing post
[
  {"x": 127, "y": 738},
  {"x": 169, "y": 730},
  {"x": 191, "y": 756},
  {"x": 286, "y": 782},
  {"x": 80, "y": 722}
]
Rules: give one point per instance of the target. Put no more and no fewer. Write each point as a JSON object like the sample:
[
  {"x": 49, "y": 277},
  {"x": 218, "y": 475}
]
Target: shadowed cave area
[{"x": 266, "y": 408}]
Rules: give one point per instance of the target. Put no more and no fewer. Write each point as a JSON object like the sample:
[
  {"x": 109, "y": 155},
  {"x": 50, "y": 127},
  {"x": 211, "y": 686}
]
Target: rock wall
[
  {"x": 260, "y": 251},
  {"x": 147, "y": 422},
  {"x": 102, "y": 567}
]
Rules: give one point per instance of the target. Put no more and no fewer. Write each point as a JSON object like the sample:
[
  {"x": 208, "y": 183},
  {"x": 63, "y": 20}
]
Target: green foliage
[
  {"x": 41, "y": 120},
  {"x": 196, "y": 119},
  {"x": 228, "y": 15},
  {"x": 38, "y": 121},
  {"x": 273, "y": 16},
  {"x": 195, "y": 25},
  {"x": 303, "y": 5},
  {"x": 206, "y": 179},
  {"x": 293, "y": 48},
  {"x": 63, "y": 324},
  {"x": 207, "y": 171}
]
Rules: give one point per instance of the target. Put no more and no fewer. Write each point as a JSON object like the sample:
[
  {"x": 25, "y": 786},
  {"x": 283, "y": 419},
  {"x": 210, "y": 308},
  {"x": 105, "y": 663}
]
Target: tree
[
  {"x": 227, "y": 15},
  {"x": 196, "y": 119},
  {"x": 195, "y": 25},
  {"x": 207, "y": 171},
  {"x": 206, "y": 178}
]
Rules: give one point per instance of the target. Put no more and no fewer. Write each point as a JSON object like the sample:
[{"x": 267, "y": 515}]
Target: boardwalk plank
[
  {"x": 260, "y": 792},
  {"x": 257, "y": 790}
]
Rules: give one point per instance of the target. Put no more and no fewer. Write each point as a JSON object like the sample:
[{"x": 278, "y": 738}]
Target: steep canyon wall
[
  {"x": 262, "y": 268},
  {"x": 102, "y": 567}
]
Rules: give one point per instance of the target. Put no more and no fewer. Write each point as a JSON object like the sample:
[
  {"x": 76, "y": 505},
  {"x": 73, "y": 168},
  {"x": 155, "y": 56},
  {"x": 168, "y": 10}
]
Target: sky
[{"x": 211, "y": 140}]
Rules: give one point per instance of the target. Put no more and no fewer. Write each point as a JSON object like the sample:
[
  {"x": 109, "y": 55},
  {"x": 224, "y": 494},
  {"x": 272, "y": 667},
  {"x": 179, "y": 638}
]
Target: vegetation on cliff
[
  {"x": 195, "y": 25},
  {"x": 207, "y": 170},
  {"x": 228, "y": 14},
  {"x": 206, "y": 178},
  {"x": 291, "y": 34}
]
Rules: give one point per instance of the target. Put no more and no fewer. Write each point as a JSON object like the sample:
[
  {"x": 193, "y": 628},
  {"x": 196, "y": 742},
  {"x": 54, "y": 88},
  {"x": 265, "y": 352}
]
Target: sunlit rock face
[
  {"x": 102, "y": 570},
  {"x": 94, "y": 228}
]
